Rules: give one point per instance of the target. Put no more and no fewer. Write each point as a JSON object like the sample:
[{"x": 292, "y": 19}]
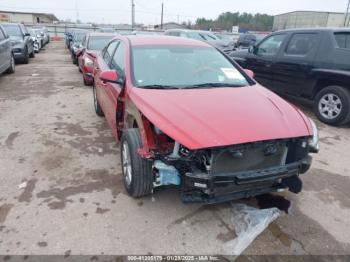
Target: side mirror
[
  {"x": 250, "y": 73},
  {"x": 111, "y": 76},
  {"x": 26, "y": 34}
]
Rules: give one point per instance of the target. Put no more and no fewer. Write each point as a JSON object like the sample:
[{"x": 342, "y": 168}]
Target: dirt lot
[{"x": 74, "y": 201}]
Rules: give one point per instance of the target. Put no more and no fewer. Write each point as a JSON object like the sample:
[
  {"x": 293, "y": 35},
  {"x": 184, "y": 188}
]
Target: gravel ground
[{"x": 74, "y": 202}]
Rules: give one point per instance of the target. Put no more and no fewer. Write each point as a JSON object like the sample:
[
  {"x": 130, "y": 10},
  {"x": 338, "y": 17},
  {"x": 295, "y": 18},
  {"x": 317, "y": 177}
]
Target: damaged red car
[
  {"x": 188, "y": 116},
  {"x": 92, "y": 44}
]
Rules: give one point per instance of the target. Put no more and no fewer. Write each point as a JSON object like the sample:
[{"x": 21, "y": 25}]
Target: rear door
[
  {"x": 293, "y": 65},
  {"x": 262, "y": 59}
]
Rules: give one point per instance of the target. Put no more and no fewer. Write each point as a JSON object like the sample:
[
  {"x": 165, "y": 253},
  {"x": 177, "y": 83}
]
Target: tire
[
  {"x": 32, "y": 54},
  {"x": 12, "y": 67},
  {"x": 97, "y": 106},
  {"x": 137, "y": 172},
  {"x": 332, "y": 105},
  {"x": 74, "y": 60},
  {"x": 86, "y": 83},
  {"x": 26, "y": 57}
]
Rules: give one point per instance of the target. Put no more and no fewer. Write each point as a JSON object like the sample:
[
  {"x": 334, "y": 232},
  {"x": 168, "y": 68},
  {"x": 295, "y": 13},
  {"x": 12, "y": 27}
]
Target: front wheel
[
  {"x": 32, "y": 54},
  {"x": 12, "y": 67},
  {"x": 332, "y": 105},
  {"x": 137, "y": 172},
  {"x": 26, "y": 57}
]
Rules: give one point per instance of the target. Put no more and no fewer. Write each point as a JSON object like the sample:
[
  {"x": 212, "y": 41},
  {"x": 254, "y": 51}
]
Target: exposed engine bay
[{"x": 231, "y": 172}]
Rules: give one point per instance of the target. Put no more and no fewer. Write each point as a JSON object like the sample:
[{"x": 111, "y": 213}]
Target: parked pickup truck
[{"x": 307, "y": 63}]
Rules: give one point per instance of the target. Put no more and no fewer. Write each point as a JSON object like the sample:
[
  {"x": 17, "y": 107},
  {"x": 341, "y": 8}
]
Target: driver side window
[
  {"x": 271, "y": 45},
  {"x": 109, "y": 52}
]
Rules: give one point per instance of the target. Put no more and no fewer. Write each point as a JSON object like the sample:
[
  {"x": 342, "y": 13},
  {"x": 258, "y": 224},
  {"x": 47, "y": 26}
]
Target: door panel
[
  {"x": 262, "y": 59},
  {"x": 114, "y": 90},
  {"x": 293, "y": 66},
  {"x": 103, "y": 93}
]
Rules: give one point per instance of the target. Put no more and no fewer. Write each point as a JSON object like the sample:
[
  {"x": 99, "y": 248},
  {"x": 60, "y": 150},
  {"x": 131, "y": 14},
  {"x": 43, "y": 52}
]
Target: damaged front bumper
[{"x": 222, "y": 187}]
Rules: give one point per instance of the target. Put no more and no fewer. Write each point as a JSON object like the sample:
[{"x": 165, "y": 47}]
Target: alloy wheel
[
  {"x": 330, "y": 106},
  {"x": 126, "y": 163},
  {"x": 95, "y": 97},
  {"x": 12, "y": 63}
]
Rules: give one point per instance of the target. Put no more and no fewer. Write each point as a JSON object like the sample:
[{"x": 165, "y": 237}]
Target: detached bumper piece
[{"x": 222, "y": 187}]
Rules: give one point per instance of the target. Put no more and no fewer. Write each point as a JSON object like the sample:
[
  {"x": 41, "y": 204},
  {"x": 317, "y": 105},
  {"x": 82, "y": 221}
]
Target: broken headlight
[{"x": 314, "y": 140}]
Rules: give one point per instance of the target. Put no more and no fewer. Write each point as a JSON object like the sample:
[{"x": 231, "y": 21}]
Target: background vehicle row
[
  {"x": 19, "y": 43},
  {"x": 307, "y": 63}
]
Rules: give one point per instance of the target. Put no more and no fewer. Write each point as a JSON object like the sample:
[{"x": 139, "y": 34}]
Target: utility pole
[
  {"x": 162, "y": 17},
  {"x": 132, "y": 14},
  {"x": 77, "y": 10},
  {"x": 346, "y": 23}
]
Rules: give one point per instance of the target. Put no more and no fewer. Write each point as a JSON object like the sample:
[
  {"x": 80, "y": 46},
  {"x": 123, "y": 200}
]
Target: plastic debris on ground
[
  {"x": 249, "y": 222},
  {"x": 23, "y": 185}
]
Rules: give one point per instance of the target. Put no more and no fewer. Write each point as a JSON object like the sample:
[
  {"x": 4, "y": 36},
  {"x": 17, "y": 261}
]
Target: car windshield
[
  {"x": 13, "y": 30},
  {"x": 98, "y": 43},
  {"x": 195, "y": 35},
  {"x": 209, "y": 36},
  {"x": 225, "y": 37},
  {"x": 31, "y": 32},
  {"x": 78, "y": 37},
  {"x": 184, "y": 67},
  {"x": 259, "y": 38}
]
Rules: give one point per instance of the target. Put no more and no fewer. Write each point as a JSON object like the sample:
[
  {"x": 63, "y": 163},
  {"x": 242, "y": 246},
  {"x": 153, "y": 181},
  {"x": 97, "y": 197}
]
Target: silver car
[
  {"x": 7, "y": 61},
  {"x": 37, "y": 40},
  {"x": 206, "y": 36}
]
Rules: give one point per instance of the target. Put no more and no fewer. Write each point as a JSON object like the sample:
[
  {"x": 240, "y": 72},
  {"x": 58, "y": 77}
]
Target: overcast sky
[{"x": 148, "y": 11}]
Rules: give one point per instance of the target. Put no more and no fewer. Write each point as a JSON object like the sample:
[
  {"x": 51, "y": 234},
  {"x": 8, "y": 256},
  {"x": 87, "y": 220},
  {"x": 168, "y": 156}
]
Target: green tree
[{"x": 225, "y": 21}]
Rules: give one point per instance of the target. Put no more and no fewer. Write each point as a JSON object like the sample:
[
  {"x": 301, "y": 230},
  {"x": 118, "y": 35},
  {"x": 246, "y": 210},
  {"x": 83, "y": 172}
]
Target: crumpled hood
[{"x": 204, "y": 118}]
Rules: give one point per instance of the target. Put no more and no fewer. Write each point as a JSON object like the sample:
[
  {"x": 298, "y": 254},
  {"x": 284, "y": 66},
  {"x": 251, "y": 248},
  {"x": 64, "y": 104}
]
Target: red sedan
[
  {"x": 92, "y": 44},
  {"x": 188, "y": 116}
]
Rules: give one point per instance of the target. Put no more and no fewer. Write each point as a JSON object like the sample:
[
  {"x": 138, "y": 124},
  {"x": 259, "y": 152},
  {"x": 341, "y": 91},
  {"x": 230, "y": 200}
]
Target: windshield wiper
[
  {"x": 158, "y": 87},
  {"x": 211, "y": 85}
]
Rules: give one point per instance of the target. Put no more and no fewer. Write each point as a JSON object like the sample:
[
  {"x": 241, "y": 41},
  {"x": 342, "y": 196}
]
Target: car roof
[
  {"x": 190, "y": 30},
  {"x": 102, "y": 34},
  {"x": 319, "y": 29},
  {"x": 140, "y": 40},
  {"x": 18, "y": 24}
]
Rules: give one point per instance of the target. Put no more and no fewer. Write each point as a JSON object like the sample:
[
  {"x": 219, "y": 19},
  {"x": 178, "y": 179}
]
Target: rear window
[
  {"x": 13, "y": 30},
  {"x": 343, "y": 40},
  {"x": 98, "y": 43},
  {"x": 301, "y": 44}
]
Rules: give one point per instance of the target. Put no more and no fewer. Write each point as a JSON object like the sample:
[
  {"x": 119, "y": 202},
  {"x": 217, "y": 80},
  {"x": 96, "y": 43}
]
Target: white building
[
  {"x": 304, "y": 19},
  {"x": 27, "y": 17}
]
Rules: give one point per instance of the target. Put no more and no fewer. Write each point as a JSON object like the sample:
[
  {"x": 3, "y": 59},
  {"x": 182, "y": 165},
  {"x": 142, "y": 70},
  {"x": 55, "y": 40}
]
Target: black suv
[{"x": 307, "y": 63}]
